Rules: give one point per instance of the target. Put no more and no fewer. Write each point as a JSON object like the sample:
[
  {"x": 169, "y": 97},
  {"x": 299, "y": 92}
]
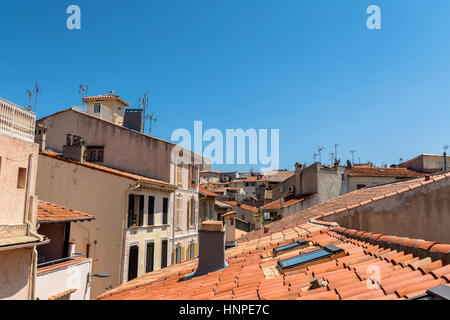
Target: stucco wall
[
  {"x": 124, "y": 149},
  {"x": 57, "y": 281},
  {"x": 423, "y": 213},
  {"x": 15, "y": 268},
  {"x": 14, "y": 155},
  {"x": 100, "y": 194},
  {"x": 369, "y": 181}
]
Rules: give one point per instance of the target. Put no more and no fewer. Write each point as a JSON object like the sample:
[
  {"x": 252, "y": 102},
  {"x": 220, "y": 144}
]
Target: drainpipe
[
  {"x": 122, "y": 241},
  {"x": 26, "y": 210}
]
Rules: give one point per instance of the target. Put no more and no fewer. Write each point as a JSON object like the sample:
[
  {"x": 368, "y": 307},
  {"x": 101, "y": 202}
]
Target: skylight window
[
  {"x": 326, "y": 253},
  {"x": 295, "y": 245}
]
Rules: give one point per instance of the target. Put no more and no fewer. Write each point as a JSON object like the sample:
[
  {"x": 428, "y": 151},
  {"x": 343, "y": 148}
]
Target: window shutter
[
  {"x": 151, "y": 211},
  {"x": 196, "y": 249},
  {"x": 190, "y": 175},
  {"x": 183, "y": 253},
  {"x": 188, "y": 216},
  {"x": 130, "y": 210},
  {"x": 165, "y": 210},
  {"x": 141, "y": 211}
]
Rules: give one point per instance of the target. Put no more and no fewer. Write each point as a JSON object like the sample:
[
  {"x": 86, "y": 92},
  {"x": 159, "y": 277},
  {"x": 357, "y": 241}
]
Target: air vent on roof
[
  {"x": 295, "y": 245},
  {"x": 327, "y": 253}
]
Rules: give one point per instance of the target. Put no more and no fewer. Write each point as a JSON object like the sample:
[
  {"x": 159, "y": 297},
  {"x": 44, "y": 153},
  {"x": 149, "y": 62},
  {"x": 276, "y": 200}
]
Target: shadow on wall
[{"x": 15, "y": 266}]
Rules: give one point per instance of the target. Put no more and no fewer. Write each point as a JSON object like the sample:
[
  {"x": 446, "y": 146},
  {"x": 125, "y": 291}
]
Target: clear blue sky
[{"x": 309, "y": 68}]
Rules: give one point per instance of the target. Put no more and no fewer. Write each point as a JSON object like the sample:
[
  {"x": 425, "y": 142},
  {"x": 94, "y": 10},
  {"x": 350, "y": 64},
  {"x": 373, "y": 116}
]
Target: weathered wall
[
  {"x": 124, "y": 149},
  {"x": 423, "y": 213},
  {"x": 369, "y": 181},
  {"x": 15, "y": 268},
  {"x": 14, "y": 155},
  {"x": 98, "y": 193}
]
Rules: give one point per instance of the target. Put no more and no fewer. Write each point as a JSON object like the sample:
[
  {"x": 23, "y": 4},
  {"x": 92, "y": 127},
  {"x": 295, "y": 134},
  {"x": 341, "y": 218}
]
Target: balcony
[
  {"x": 64, "y": 279},
  {"x": 16, "y": 121}
]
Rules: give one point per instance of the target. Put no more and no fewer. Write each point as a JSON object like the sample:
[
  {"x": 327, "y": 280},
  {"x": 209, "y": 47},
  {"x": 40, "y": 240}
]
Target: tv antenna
[
  {"x": 83, "y": 89},
  {"x": 143, "y": 104},
  {"x": 335, "y": 152},
  {"x": 445, "y": 157},
  {"x": 319, "y": 151},
  {"x": 332, "y": 157},
  {"x": 29, "y": 94},
  {"x": 36, "y": 91},
  {"x": 353, "y": 156},
  {"x": 315, "y": 156}
]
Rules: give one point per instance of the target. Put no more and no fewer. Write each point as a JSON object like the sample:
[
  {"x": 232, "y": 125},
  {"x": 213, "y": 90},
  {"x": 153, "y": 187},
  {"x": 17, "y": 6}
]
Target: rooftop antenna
[
  {"x": 332, "y": 157},
  {"x": 83, "y": 89},
  {"x": 319, "y": 150},
  {"x": 353, "y": 156},
  {"x": 445, "y": 157},
  {"x": 29, "y": 94},
  {"x": 151, "y": 118},
  {"x": 36, "y": 91},
  {"x": 315, "y": 156},
  {"x": 401, "y": 160},
  {"x": 335, "y": 152}
]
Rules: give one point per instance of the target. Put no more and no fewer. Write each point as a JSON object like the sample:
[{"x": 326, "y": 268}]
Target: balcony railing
[{"x": 16, "y": 121}]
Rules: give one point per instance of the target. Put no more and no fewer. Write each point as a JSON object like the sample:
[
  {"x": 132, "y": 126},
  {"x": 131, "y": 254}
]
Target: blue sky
[{"x": 309, "y": 68}]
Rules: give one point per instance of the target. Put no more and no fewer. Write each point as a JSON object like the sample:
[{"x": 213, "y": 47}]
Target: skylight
[
  {"x": 298, "y": 244},
  {"x": 328, "y": 252}
]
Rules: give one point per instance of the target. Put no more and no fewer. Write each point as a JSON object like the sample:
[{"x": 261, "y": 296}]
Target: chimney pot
[
  {"x": 211, "y": 247},
  {"x": 75, "y": 149},
  {"x": 427, "y": 177}
]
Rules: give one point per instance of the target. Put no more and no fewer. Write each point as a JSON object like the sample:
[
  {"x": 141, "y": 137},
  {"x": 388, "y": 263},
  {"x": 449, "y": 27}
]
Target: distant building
[
  {"x": 427, "y": 163},
  {"x": 18, "y": 203}
]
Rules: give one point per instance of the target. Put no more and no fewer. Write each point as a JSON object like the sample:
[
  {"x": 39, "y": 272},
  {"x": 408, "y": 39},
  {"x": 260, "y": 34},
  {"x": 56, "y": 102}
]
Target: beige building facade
[
  {"x": 132, "y": 216},
  {"x": 18, "y": 203}
]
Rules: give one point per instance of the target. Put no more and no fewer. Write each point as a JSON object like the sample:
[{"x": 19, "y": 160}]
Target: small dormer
[{"x": 109, "y": 107}]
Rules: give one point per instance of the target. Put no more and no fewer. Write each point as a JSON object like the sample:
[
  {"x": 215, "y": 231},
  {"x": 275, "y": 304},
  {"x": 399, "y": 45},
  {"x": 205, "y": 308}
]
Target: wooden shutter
[
  {"x": 150, "y": 257},
  {"x": 165, "y": 210},
  {"x": 196, "y": 249},
  {"x": 133, "y": 257},
  {"x": 130, "y": 210},
  {"x": 183, "y": 253},
  {"x": 188, "y": 222},
  {"x": 151, "y": 211},
  {"x": 141, "y": 211},
  {"x": 164, "y": 254}
]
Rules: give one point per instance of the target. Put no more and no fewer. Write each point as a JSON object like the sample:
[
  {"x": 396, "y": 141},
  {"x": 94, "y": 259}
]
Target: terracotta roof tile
[{"x": 50, "y": 213}]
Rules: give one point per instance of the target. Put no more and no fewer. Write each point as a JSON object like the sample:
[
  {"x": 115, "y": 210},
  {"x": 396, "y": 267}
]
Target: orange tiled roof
[
  {"x": 407, "y": 267},
  {"x": 229, "y": 213},
  {"x": 384, "y": 172},
  {"x": 49, "y": 212},
  {"x": 349, "y": 201},
  {"x": 287, "y": 202},
  {"x": 105, "y": 97},
  {"x": 208, "y": 192},
  {"x": 242, "y": 205},
  {"x": 405, "y": 271},
  {"x": 95, "y": 166}
]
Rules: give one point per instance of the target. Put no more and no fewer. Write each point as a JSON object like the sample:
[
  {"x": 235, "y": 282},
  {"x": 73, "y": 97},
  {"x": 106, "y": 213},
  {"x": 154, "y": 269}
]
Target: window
[
  {"x": 95, "y": 154},
  {"x": 151, "y": 211},
  {"x": 150, "y": 257},
  {"x": 22, "y": 178},
  {"x": 191, "y": 250},
  {"x": 97, "y": 107},
  {"x": 295, "y": 245},
  {"x": 188, "y": 216},
  {"x": 306, "y": 259},
  {"x": 165, "y": 210},
  {"x": 178, "y": 255},
  {"x": 133, "y": 257},
  {"x": 193, "y": 176},
  {"x": 164, "y": 254},
  {"x": 178, "y": 213},
  {"x": 210, "y": 213},
  {"x": 192, "y": 212},
  {"x": 200, "y": 206},
  {"x": 360, "y": 186},
  {"x": 135, "y": 210},
  {"x": 180, "y": 174}
]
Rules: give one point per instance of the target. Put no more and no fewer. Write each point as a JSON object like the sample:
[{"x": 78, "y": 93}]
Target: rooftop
[
  {"x": 101, "y": 97},
  {"x": 407, "y": 268},
  {"x": 52, "y": 213},
  {"x": 242, "y": 205},
  {"x": 384, "y": 172},
  {"x": 207, "y": 192},
  {"x": 287, "y": 202}
]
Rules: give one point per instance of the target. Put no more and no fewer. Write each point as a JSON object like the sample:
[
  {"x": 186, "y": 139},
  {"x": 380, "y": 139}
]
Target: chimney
[
  {"x": 427, "y": 177},
  {"x": 40, "y": 136},
  {"x": 133, "y": 119},
  {"x": 282, "y": 202},
  {"x": 211, "y": 238},
  {"x": 74, "y": 148}
]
